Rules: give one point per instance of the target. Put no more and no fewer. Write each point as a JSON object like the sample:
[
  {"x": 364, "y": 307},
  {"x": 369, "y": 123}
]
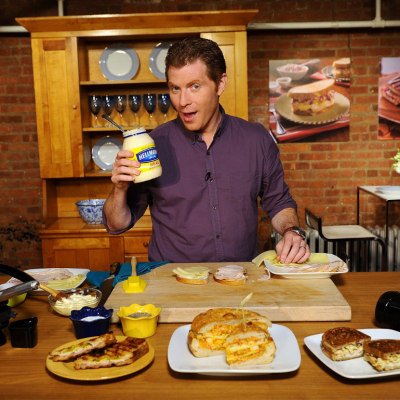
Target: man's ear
[{"x": 222, "y": 84}]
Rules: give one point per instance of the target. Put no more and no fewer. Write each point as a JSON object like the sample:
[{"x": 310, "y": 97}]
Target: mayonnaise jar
[{"x": 140, "y": 143}]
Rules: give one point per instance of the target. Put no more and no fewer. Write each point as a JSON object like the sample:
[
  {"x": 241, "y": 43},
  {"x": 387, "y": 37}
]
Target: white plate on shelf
[
  {"x": 287, "y": 357},
  {"x": 74, "y": 271},
  {"x": 157, "y": 59},
  {"x": 119, "y": 62},
  {"x": 357, "y": 368},
  {"x": 105, "y": 150},
  {"x": 389, "y": 189},
  {"x": 282, "y": 271}
]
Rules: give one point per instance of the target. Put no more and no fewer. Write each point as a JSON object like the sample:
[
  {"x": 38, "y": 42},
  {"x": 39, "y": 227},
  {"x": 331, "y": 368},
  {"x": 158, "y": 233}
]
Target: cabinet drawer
[{"x": 136, "y": 244}]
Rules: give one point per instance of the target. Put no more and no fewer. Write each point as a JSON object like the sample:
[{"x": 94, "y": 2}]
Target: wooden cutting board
[{"x": 279, "y": 299}]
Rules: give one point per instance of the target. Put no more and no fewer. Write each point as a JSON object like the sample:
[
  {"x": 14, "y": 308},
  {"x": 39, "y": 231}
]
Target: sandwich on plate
[
  {"x": 342, "y": 343},
  {"x": 231, "y": 275},
  {"x": 192, "y": 275},
  {"x": 313, "y": 98},
  {"x": 209, "y": 330},
  {"x": 341, "y": 68},
  {"x": 391, "y": 91},
  {"x": 383, "y": 354},
  {"x": 249, "y": 345}
]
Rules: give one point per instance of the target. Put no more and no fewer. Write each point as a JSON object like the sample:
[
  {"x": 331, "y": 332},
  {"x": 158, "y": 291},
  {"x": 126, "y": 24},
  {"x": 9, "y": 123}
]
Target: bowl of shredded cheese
[
  {"x": 139, "y": 321},
  {"x": 77, "y": 299}
]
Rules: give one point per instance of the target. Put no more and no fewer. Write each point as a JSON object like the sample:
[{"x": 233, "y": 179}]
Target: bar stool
[{"x": 341, "y": 234}]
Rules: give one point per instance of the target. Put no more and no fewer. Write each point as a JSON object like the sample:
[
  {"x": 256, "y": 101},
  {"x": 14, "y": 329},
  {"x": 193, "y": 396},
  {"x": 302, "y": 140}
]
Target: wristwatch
[{"x": 297, "y": 230}]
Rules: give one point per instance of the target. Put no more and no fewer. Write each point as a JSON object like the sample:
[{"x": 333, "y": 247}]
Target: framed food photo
[
  {"x": 389, "y": 98},
  {"x": 309, "y": 100}
]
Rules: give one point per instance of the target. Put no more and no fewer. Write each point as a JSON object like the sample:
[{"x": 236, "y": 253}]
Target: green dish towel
[{"x": 96, "y": 277}]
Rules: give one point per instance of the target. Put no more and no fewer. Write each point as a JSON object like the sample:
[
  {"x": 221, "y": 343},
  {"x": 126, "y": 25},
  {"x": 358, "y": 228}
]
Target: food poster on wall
[
  {"x": 389, "y": 98},
  {"x": 309, "y": 100}
]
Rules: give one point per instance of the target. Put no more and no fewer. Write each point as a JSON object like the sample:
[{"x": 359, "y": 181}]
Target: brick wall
[{"x": 322, "y": 176}]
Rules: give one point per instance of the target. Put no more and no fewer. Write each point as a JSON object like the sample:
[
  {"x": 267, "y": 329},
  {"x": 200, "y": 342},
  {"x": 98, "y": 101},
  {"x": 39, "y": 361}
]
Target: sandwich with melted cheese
[
  {"x": 231, "y": 275},
  {"x": 249, "y": 345},
  {"x": 391, "y": 91},
  {"x": 383, "y": 354},
  {"x": 209, "y": 330},
  {"x": 312, "y": 99},
  {"x": 192, "y": 275},
  {"x": 343, "y": 343},
  {"x": 341, "y": 68}
]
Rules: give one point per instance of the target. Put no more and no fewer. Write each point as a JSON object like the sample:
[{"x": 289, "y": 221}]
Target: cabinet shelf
[{"x": 98, "y": 173}]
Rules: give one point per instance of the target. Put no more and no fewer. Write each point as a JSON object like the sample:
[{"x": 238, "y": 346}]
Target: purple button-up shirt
[{"x": 204, "y": 206}]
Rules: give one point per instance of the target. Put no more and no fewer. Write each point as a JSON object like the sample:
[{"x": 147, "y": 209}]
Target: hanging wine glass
[
  {"x": 120, "y": 105},
  {"x": 95, "y": 107},
  {"x": 164, "y": 102},
  {"x": 108, "y": 106},
  {"x": 135, "y": 102},
  {"x": 150, "y": 102}
]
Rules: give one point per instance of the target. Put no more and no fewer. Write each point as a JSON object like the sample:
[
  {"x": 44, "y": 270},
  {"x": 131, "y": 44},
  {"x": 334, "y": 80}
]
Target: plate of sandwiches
[
  {"x": 339, "y": 70},
  {"x": 318, "y": 266},
  {"x": 99, "y": 358},
  {"x": 313, "y": 104},
  {"x": 219, "y": 343},
  {"x": 358, "y": 354},
  {"x": 389, "y": 97}
]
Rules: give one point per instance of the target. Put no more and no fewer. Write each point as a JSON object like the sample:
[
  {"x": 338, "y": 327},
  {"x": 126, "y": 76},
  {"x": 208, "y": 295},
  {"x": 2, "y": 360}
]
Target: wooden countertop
[{"x": 24, "y": 375}]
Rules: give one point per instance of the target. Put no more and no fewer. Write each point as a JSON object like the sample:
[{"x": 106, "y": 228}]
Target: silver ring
[{"x": 302, "y": 247}]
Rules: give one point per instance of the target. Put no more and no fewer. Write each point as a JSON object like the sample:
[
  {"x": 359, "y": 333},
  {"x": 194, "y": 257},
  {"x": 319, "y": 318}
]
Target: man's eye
[
  {"x": 196, "y": 87},
  {"x": 175, "y": 88}
]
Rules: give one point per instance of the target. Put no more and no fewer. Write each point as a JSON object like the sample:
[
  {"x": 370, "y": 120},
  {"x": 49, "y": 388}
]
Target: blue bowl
[
  {"x": 91, "y": 210},
  {"x": 92, "y": 327}
]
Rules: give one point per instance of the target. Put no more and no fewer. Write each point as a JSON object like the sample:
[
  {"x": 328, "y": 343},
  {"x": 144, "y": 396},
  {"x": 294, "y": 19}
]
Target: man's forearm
[
  {"x": 116, "y": 210},
  {"x": 285, "y": 219}
]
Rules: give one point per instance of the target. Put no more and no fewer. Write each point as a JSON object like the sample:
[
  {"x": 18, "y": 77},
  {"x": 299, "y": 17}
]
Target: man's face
[{"x": 195, "y": 97}]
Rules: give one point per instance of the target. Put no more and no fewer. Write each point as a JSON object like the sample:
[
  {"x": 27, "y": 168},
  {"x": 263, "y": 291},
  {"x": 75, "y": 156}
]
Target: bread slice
[
  {"x": 249, "y": 345},
  {"x": 383, "y": 354},
  {"x": 241, "y": 281},
  {"x": 210, "y": 329},
  {"x": 232, "y": 275},
  {"x": 192, "y": 275},
  {"x": 311, "y": 90},
  {"x": 343, "y": 343},
  {"x": 192, "y": 281},
  {"x": 342, "y": 63}
]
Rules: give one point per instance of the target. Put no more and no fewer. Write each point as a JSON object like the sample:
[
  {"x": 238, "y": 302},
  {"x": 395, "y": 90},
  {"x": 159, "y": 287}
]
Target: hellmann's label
[{"x": 147, "y": 156}]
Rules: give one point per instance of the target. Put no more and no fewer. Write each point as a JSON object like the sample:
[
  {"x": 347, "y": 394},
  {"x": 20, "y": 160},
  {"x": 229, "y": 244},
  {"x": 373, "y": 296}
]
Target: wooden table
[{"x": 23, "y": 373}]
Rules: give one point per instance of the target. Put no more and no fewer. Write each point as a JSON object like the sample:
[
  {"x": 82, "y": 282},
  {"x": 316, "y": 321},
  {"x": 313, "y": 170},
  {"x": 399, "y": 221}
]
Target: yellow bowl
[{"x": 139, "y": 327}]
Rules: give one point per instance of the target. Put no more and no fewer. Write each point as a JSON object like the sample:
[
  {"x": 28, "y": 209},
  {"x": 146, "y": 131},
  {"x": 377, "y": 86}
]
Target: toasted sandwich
[
  {"x": 118, "y": 354},
  {"x": 383, "y": 354},
  {"x": 83, "y": 347},
  {"x": 209, "y": 330},
  {"x": 231, "y": 275},
  {"x": 391, "y": 91},
  {"x": 192, "y": 275},
  {"x": 250, "y": 345},
  {"x": 312, "y": 99},
  {"x": 341, "y": 68},
  {"x": 342, "y": 343}
]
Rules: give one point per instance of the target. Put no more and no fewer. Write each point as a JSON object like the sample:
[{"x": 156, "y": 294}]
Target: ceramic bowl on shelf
[
  {"x": 135, "y": 325},
  {"x": 91, "y": 321},
  {"x": 91, "y": 210}
]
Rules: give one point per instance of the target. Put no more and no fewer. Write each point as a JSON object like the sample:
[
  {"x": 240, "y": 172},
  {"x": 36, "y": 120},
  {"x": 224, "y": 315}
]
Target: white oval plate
[
  {"x": 119, "y": 62},
  {"x": 340, "y": 108},
  {"x": 303, "y": 275},
  {"x": 105, "y": 151},
  {"x": 286, "y": 359},
  {"x": 356, "y": 368},
  {"x": 157, "y": 59},
  {"x": 389, "y": 189}
]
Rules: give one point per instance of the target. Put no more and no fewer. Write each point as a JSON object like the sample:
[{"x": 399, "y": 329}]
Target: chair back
[{"x": 313, "y": 221}]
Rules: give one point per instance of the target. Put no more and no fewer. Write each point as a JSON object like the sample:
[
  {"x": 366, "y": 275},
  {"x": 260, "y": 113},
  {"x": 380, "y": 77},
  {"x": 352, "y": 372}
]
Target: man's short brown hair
[{"x": 189, "y": 50}]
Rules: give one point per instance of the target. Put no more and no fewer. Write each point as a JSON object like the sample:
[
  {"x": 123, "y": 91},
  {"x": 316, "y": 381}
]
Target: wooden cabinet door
[
  {"x": 56, "y": 76},
  {"x": 234, "y": 47}
]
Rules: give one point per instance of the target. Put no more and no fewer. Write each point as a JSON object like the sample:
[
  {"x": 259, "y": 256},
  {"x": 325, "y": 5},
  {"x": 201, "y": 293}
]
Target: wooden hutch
[{"x": 66, "y": 52}]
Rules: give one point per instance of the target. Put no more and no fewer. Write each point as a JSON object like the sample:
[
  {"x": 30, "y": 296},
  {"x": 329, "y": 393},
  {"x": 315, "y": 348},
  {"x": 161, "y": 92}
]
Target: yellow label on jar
[{"x": 147, "y": 156}]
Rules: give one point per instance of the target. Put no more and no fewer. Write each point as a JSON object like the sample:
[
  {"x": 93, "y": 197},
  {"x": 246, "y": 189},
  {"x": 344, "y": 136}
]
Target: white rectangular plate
[
  {"x": 74, "y": 271},
  {"x": 287, "y": 357},
  {"x": 357, "y": 368},
  {"x": 303, "y": 275}
]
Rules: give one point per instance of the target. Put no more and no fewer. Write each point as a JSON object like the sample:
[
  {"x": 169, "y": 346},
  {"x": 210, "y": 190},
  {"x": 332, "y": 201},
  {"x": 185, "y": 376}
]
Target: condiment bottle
[{"x": 140, "y": 143}]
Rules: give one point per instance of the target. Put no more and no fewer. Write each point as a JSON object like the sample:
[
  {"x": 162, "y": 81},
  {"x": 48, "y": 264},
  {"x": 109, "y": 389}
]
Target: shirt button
[
  {"x": 212, "y": 180},
  {"x": 214, "y": 208},
  {"x": 208, "y": 153},
  {"x": 197, "y": 136},
  {"x": 218, "y": 236}
]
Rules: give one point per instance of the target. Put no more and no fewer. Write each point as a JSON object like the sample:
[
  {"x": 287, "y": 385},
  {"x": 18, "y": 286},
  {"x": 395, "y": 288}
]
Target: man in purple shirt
[{"x": 215, "y": 166}]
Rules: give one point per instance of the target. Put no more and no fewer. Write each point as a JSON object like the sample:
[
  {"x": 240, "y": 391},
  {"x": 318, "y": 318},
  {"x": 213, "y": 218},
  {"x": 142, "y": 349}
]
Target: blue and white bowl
[
  {"x": 91, "y": 321},
  {"x": 91, "y": 211}
]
